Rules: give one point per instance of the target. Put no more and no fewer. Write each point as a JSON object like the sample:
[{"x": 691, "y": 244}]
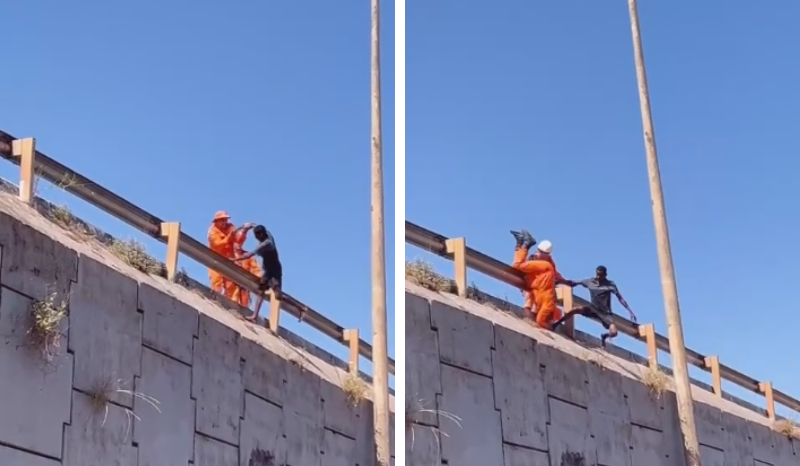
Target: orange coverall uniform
[
  {"x": 540, "y": 277},
  {"x": 529, "y": 296},
  {"x": 242, "y": 295},
  {"x": 221, "y": 242}
]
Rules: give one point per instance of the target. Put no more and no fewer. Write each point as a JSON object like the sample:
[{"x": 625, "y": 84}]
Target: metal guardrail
[
  {"x": 100, "y": 197},
  {"x": 437, "y": 244}
]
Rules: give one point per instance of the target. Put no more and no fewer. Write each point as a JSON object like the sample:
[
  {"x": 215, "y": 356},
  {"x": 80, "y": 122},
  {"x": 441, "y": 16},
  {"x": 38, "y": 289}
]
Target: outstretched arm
[
  {"x": 624, "y": 303},
  {"x": 262, "y": 248}
]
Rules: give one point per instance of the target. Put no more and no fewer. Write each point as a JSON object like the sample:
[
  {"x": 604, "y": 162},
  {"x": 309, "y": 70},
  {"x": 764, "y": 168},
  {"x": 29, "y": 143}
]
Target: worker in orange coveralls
[
  {"x": 540, "y": 278},
  {"x": 221, "y": 237},
  {"x": 242, "y": 295},
  {"x": 543, "y": 252}
]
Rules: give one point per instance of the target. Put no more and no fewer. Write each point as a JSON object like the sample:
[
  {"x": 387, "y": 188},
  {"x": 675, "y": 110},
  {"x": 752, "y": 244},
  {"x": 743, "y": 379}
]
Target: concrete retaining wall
[
  {"x": 183, "y": 380},
  {"x": 486, "y": 388}
]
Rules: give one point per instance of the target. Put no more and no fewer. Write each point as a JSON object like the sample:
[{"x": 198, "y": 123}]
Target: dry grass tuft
[
  {"x": 421, "y": 273},
  {"x": 787, "y": 427},
  {"x": 415, "y": 409},
  {"x": 656, "y": 381},
  {"x": 355, "y": 389},
  {"x": 134, "y": 254},
  {"x": 100, "y": 397},
  {"x": 45, "y": 329}
]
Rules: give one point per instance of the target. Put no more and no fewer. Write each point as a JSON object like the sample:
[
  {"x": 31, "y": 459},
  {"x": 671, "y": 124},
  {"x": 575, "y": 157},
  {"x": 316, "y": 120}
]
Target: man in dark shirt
[
  {"x": 599, "y": 308},
  {"x": 272, "y": 278}
]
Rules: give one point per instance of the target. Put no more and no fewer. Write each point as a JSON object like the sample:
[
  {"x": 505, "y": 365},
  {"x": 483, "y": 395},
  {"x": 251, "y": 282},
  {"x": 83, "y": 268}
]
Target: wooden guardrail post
[
  {"x": 458, "y": 248},
  {"x": 567, "y": 304},
  {"x": 25, "y": 149},
  {"x": 766, "y": 389},
  {"x": 274, "y": 312},
  {"x": 712, "y": 364},
  {"x": 171, "y": 231},
  {"x": 648, "y": 332},
  {"x": 352, "y": 339}
]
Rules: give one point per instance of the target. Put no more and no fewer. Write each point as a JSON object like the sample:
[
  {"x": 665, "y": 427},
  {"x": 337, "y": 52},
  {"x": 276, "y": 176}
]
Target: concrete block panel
[
  {"x": 338, "y": 450},
  {"x": 12, "y": 457},
  {"x": 710, "y": 456},
  {"x": 612, "y": 438},
  {"x": 262, "y": 432},
  {"x": 465, "y": 340},
  {"x": 264, "y": 372},
  {"x": 304, "y": 440},
  {"x": 738, "y": 445},
  {"x": 470, "y": 397},
  {"x": 647, "y": 448},
  {"x": 36, "y": 395},
  {"x": 518, "y": 456},
  {"x": 423, "y": 446},
  {"x": 423, "y": 379},
  {"x": 210, "y": 452},
  {"x": 644, "y": 408},
  {"x": 106, "y": 329},
  {"x": 169, "y": 325},
  {"x": 564, "y": 375},
  {"x": 98, "y": 437},
  {"x": 605, "y": 391},
  {"x": 708, "y": 422},
  {"x": 672, "y": 439},
  {"x": 166, "y": 437},
  {"x": 569, "y": 435},
  {"x": 217, "y": 381},
  {"x": 365, "y": 434},
  {"x": 523, "y": 406},
  {"x": 302, "y": 390},
  {"x": 339, "y": 413},
  {"x": 33, "y": 264}
]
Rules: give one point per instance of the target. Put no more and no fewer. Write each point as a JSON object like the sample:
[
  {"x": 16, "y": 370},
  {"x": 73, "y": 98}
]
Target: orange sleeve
[
  {"x": 217, "y": 239},
  {"x": 528, "y": 266}
]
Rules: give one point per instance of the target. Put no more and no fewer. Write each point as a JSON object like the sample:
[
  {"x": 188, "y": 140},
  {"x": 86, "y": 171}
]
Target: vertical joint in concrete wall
[
  {"x": 25, "y": 149},
  {"x": 352, "y": 339},
  {"x": 567, "y": 303},
  {"x": 171, "y": 231},
  {"x": 766, "y": 389},
  {"x": 457, "y": 247},
  {"x": 648, "y": 332},
  {"x": 274, "y": 312},
  {"x": 712, "y": 364}
]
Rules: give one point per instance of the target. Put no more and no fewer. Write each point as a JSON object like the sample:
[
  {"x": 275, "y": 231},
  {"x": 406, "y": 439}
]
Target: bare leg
[
  {"x": 259, "y": 301},
  {"x": 569, "y": 315}
]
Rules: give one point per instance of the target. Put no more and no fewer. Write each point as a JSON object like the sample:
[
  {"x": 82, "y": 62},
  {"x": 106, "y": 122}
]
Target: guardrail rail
[
  {"x": 456, "y": 250},
  {"x": 33, "y": 163}
]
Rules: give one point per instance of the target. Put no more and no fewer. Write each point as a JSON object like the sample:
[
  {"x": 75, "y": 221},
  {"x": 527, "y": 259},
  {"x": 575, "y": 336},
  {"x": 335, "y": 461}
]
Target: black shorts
[
  {"x": 271, "y": 282},
  {"x": 606, "y": 319}
]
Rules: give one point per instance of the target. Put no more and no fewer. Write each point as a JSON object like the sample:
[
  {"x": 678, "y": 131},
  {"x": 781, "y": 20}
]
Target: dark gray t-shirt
[
  {"x": 267, "y": 250},
  {"x": 600, "y": 293}
]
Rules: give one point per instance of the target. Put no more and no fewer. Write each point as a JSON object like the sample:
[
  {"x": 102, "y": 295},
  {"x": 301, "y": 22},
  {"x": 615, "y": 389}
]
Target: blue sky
[
  {"x": 527, "y": 115},
  {"x": 185, "y": 108}
]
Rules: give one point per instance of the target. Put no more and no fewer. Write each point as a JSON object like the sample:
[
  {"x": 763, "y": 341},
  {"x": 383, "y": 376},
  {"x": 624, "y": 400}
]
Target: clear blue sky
[
  {"x": 527, "y": 115},
  {"x": 185, "y": 108}
]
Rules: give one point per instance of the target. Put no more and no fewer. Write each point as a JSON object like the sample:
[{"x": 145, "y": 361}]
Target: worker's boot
[
  {"x": 527, "y": 239},
  {"x": 518, "y": 237}
]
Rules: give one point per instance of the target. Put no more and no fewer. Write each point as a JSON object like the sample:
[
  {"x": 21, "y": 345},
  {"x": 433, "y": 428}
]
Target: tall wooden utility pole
[
  {"x": 669, "y": 288},
  {"x": 380, "y": 349}
]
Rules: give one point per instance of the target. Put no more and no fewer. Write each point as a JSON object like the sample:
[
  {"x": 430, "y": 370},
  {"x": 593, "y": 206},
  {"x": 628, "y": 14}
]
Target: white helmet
[{"x": 545, "y": 247}]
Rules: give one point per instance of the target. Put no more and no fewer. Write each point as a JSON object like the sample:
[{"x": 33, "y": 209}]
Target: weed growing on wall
[
  {"x": 134, "y": 254},
  {"x": 421, "y": 273},
  {"x": 787, "y": 427},
  {"x": 416, "y": 410},
  {"x": 46, "y": 317},
  {"x": 355, "y": 389},
  {"x": 656, "y": 381},
  {"x": 104, "y": 389}
]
